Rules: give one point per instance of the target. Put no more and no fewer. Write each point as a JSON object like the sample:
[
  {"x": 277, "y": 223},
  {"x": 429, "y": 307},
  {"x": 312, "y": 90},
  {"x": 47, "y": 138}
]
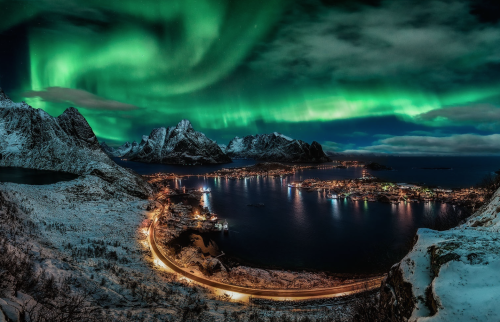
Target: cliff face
[
  {"x": 31, "y": 138},
  {"x": 275, "y": 147},
  {"x": 450, "y": 275},
  {"x": 179, "y": 144}
]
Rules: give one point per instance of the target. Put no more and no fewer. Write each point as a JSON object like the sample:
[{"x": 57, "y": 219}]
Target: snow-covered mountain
[
  {"x": 126, "y": 148},
  {"x": 31, "y": 138},
  {"x": 275, "y": 147},
  {"x": 179, "y": 144},
  {"x": 223, "y": 147}
]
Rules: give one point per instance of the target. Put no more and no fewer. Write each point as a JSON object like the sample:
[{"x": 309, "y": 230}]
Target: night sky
[{"x": 402, "y": 77}]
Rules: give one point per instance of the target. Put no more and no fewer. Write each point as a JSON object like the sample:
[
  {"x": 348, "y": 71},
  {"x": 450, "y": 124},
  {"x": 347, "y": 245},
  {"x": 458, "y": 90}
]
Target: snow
[
  {"x": 235, "y": 146},
  {"x": 223, "y": 147},
  {"x": 283, "y": 136},
  {"x": 83, "y": 203},
  {"x": 460, "y": 266},
  {"x": 184, "y": 125},
  {"x": 479, "y": 290},
  {"x": 77, "y": 215}
]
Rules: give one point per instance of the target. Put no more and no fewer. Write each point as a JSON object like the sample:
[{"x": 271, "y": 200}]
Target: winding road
[{"x": 355, "y": 287}]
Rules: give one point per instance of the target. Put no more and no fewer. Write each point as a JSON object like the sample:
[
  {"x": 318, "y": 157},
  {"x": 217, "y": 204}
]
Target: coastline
[
  {"x": 177, "y": 220},
  {"x": 185, "y": 221},
  {"x": 245, "y": 291}
]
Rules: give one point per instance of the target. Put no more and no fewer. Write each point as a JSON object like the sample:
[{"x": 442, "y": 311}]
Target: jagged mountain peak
[
  {"x": 275, "y": 147},
  {"x": 3, "y": 96},
  {"x": 282, "y": 136},
  {"x": 184, "y": 125},
  {"x": 72, "y": 111},
  {"x": 31, "y": 138},
  {"x": 175, "y": 145},
  {"x": 73, "y": 123}
]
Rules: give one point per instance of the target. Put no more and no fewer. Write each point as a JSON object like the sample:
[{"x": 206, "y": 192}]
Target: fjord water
[
  {"x": 33, "y": 177},
  {"x": 299, "y": 230},
  {"x": 465, "y": 171}
]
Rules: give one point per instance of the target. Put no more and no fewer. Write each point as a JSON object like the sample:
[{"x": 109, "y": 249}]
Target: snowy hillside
[
  {"x": 275, "y": 147},
  {"x": 31, "y": 138},
  {"x": 450, "y": 275},
  {"x": 179, "y": 144}
]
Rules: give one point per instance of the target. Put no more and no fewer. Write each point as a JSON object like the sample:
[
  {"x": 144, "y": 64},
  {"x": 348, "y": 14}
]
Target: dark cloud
[
  {"x": 485, "y": 117},
  {"x": 460, "y": 144},
  {"x": 438, "y": 133},
  {"x": 79, "y": 98},
  {"x": 486, "y": 10},
  {"x": 351, "y": 3},
  {"x": 434, "y": 43}
]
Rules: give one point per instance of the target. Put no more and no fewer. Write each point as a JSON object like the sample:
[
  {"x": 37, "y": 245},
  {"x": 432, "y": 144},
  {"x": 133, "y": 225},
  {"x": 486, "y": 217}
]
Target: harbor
[
  {"x": 373, "y": 189},
  {"x": 315, "y": 206},
  {"x": 366, "y": 187}
]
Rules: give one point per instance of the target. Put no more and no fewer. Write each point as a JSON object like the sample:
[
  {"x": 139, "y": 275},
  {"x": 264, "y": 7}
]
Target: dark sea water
[
  {"x": 465, "y": 171},
  {"x": 299, "y": 230},
  {"x": 149, "y": 168},
  {"x": 34, "y": 177}
]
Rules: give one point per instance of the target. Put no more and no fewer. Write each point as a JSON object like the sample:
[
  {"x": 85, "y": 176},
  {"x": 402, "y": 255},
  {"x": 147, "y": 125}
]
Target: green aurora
[{"x": 193, "y": 59}]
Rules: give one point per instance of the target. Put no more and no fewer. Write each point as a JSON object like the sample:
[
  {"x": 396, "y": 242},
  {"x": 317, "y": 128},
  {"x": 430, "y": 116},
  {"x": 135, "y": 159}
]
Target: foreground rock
[
  {"x": 275, "y": 147},
  {"x": 31, "y": 138},
  {"x": 179, "y": 144},
  {"x": 450, "y": 275}
]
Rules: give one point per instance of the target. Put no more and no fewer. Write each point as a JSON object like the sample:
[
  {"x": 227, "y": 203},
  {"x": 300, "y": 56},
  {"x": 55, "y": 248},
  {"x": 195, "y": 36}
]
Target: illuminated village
[{"x": 365, "y": 188}]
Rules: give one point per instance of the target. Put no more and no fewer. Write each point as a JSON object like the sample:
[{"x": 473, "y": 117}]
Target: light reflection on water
[
  {"x": 297, "y": 229},
  {"x": 305, "y": 230}
]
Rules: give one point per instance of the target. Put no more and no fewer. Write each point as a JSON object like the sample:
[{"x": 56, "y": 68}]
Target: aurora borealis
[{"x": 356, "y": 76}]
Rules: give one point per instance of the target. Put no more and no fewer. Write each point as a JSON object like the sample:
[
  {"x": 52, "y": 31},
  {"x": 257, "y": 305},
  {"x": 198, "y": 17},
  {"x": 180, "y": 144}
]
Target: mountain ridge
[
  {"x": 275, "y": 147},
  {"x": 31, "y": 138},
  {"x": 179, "y": 144}
]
